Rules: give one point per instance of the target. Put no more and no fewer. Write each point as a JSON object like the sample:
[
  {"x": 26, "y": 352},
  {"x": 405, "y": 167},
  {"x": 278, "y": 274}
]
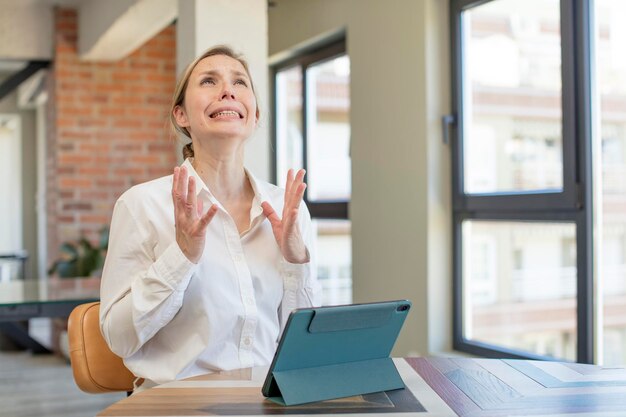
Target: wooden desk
[{"x": 436, "y": 387}]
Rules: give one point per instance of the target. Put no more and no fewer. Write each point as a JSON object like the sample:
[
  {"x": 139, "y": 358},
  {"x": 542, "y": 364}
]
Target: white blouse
[{"x": 170, "y": 318}]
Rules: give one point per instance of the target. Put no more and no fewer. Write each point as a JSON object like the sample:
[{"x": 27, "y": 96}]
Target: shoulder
[{"x": 157, "y": 191}]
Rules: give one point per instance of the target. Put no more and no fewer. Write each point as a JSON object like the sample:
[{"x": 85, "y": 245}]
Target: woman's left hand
[{"x": 286, "y": 230}]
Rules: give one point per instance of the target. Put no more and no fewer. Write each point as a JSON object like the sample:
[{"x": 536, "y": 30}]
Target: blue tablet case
[{"x": 334, "y": 352}]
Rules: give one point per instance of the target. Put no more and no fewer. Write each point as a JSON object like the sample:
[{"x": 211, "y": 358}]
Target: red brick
[
  {"x": 159, "y": 126},
  {"x": 161, "y": 78},
  {"x": 112, "y": 111},
  {"x": 73, "y": 111},
  {"x": 144, "y": 65},
  {"x": 142, "y": 135},
  {"x": 134, "y": 172},
  {"x": 94, "y": 98},
  {"x": 95, "y": 148},
  {"x": 161, "y": 147},
  {"x": 93, "y": 171},
  {"x": 73, "y": 159},
  {"x": 127, "y": 123},
  {"x": 103, "y": 159},
  {"x": 128, "y": 147},
  {"x": 71, "y": 134},
  {"x": 75, "y": 182},
  {"x": 94, "y": 195},
  {"x": 158, "y": 99},
  {"x": 117, "y": 183},
  {"x": 77, "y": 206},
  {"x": 65, "y": 122},
  {"x": 118, "y": 76},
  {"x": 147, "y": 159},
  {"x": 127, "y": 101},
  {"x": 95, "y": 219},
  {"x": 161, "y": 171},
  {"x": 108, "y": 87},
  {"x": 92, "y": 122}
]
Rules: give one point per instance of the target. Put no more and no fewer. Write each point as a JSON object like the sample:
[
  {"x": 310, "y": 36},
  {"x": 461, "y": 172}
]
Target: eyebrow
[{"x": 215, "y": 73}]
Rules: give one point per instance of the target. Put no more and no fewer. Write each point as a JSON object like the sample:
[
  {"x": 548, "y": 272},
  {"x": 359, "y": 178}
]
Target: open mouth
[{"x": 226, "y": 114}]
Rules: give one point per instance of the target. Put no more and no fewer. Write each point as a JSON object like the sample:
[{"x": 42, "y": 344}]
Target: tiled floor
[{"x": 42, "y": 385}]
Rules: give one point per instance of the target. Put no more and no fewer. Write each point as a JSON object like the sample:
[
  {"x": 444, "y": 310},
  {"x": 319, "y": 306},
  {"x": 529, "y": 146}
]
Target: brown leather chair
[{"x": 96, "y": 369}]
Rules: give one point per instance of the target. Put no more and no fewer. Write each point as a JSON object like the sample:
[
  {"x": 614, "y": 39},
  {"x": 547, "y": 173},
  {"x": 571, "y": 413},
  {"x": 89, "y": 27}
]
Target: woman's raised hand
[
  {"x": 189, "y": 221},
  {"x": 286, "y": 230}
]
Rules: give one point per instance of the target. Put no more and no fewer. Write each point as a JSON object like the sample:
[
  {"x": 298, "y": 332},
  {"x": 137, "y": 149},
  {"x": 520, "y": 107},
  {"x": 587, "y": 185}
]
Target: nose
[{"x": 227, "y": 93}]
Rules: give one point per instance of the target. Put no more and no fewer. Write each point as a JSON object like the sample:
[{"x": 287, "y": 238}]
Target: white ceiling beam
[{"x": 111, "y": 30}]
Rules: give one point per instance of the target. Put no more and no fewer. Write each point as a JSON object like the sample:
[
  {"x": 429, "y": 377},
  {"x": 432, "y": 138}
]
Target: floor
[{"x": 42, "y": 385}]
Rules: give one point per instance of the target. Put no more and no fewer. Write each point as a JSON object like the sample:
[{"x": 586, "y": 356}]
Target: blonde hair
[{"x": 183, "y": 82}]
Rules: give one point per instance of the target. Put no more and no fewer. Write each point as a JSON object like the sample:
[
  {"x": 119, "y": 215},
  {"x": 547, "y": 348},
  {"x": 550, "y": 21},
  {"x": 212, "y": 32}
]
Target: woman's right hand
[{"x": 189, "y": 221}]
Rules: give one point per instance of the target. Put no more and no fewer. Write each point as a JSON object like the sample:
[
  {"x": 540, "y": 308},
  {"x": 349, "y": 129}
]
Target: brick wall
[{"x": 109, "y": 129}]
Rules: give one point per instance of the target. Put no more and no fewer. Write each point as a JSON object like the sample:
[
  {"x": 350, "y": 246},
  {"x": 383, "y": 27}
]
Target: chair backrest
[{"x": 96, "y": 369}]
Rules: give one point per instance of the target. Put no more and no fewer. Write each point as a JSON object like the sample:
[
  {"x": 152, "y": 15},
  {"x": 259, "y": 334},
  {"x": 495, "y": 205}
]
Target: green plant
[{"x": 81, "y": 259}]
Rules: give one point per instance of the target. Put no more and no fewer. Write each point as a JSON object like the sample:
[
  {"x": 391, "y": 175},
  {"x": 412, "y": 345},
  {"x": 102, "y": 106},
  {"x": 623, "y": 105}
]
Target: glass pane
[
  {"x": 512, "y": 97},
  {"x": 610, "y": 43},
  {"x": 519, "y": 285},
  {"x": 334, "y": 260},
  {"x": 11, "y": 184},
  {"x": 288, "y": 122},
  {"x": 328, "y": 130}
]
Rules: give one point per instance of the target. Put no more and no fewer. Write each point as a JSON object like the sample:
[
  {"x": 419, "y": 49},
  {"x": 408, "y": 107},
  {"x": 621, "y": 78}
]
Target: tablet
[{"x": 336, "y": 351}]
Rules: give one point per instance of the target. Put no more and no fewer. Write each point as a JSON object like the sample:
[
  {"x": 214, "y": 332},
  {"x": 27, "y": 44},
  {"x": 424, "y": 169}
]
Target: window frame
[
  {"x": 573, "y": 203},
  {"x": 332, "y": 48}
]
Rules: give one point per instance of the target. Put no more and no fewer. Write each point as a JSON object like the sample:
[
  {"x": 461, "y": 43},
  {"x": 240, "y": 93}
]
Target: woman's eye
[
  {"x": 241, "y": 82},
  {"x": 207, "y": 81}
]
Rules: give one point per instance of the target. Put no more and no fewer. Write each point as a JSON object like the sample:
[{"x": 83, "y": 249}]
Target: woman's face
[{"x": 219, "y": 101}]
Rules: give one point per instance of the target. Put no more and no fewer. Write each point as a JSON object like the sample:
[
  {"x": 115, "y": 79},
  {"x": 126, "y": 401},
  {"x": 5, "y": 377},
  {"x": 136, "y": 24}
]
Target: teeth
[{"x": 226, "y": 113}]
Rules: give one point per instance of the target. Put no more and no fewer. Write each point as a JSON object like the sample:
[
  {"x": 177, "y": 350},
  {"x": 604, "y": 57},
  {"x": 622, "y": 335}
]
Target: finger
[
  {"x": 270, "y": 213},
  {"x": 208, "y": 216},
  {"x": 289, "y": 180},
  {"x": 200, "y": 207},
  {"x": 296, "y": 192},
  {"x": 288, "y": 186},
  {"x": 299, "y": 195},
  {"x": 289, "y": 221},
  {"x": 191, "y": 202},
  {"x": 174, "y": 183},
  {"x": 290, "y": 216},
  {"x": 181, "y": 185}
]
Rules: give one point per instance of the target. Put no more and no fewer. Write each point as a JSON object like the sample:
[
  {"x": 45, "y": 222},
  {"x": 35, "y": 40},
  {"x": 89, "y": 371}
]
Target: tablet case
[{"x": 334, "y": 352}]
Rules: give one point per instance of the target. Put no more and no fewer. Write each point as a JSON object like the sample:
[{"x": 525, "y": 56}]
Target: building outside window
[{"x": 540, "y": 105}]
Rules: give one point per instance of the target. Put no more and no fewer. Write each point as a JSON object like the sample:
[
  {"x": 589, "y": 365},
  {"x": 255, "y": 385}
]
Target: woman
[{"x": 185, "y": 290}]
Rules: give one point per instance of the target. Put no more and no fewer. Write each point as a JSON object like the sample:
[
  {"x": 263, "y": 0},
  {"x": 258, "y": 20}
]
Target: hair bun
[{"x": 188, "y": 150}]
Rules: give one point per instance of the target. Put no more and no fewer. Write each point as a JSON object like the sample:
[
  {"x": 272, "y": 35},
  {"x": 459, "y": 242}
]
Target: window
[
  {"x": 540, "y": 158},
  {"x": 522, "y": 179},
  {"x": 609, "y": 40},
  {"x": 312, "y": 131}
]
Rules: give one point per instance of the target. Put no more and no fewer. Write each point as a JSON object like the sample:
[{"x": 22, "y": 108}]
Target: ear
[
  {"x": 258, "y": 114},
  {"x": 180, "y": 116}
]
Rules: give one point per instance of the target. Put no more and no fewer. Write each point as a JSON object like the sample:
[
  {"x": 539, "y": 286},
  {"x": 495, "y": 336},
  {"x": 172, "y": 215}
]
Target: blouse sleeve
[
  {"x": 300, "y": 285},
  {"x": 139, "y": 293}
]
